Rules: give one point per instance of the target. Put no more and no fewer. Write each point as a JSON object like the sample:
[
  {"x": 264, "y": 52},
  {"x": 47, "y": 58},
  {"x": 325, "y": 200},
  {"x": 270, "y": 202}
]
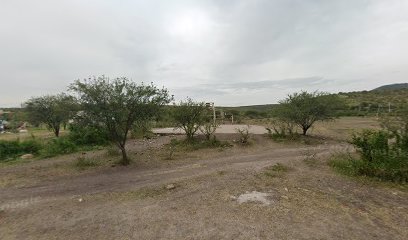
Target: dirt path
[
  {"x": 130, "y": 178},
  {"x": 306, "y": 201}
]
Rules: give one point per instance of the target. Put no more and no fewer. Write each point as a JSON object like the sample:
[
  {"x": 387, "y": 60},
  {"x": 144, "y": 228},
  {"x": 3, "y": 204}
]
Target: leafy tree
[
  {"x": 52, "y": 110},
  {"x": 116, "y": 105},
  {"x": 304, "y": 108},
  {"x": 190, "y": 116}
]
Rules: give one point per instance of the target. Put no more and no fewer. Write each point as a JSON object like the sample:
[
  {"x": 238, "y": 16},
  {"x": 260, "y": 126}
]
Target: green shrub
[
  {"x": 244, "y": 135},
  {"x": 13, "y": 149},
  {"x": 9, "y": 149},
  {"x": 372, "y": 144},
  {"x": 79, "y": 138},
  {"x": 87, "y": 135},
  {"x": 208, "y": 129},
  {"x": 381, "y": 157},
  {"x": 58, "y": 146},
  {"x": 281, "y": 130},
  {"x": 31, "y": 146}
]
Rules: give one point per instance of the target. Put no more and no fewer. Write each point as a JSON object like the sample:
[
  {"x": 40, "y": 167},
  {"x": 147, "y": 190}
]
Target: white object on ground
[
  {"x": 255, "y": 196},
  {"x": 27, "y": 156}
]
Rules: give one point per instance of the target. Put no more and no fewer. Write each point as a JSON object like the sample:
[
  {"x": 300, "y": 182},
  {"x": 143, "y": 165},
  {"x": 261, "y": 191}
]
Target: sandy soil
[
  {"x": 340, "y": 129},
  {"x": 306, "y": 201},
  {"x": 231, "y": 128}
]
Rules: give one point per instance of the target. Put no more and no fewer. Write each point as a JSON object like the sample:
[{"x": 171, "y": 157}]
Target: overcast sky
[{"x": 232, "y": 52}]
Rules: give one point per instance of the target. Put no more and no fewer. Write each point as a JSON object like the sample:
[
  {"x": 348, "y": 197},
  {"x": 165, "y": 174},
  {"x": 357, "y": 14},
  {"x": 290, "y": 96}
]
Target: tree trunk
[
  {"x": 190, "y": 135},
  {"x": 56, "y": 131},
  {"x": 304, "y": 130},
  {"x": 125, "y": 159}
]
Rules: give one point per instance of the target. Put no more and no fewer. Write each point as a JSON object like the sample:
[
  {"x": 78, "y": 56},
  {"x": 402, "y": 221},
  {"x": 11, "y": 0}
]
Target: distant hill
[
  {"x": 395, "y": 86},
  {"x": 381, "y": 100},
  {"x": 362, "y": 103}
]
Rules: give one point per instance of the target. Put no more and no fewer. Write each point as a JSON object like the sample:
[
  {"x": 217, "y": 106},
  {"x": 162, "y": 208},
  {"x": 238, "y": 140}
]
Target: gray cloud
[{"x": 231, "y": 52}]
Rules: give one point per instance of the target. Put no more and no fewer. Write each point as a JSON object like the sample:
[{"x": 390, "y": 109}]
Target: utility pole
[{"x": 389, "y": 107}]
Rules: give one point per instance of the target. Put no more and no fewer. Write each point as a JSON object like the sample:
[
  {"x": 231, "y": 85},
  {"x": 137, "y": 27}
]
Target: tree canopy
[
  {"x": 52, "y": 110},
  {"x": 190, "y": 116},
  {"x": 305, "y": 108},
  {"x": 115, "y": 105}
]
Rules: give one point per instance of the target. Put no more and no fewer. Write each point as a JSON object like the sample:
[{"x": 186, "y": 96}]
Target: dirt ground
[
  {"x": 194, "y": 195},
  {"x": 339, "y": 129}
]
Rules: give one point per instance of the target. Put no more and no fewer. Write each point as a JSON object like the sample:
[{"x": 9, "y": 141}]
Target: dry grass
[{"x": 38, "y": 133}]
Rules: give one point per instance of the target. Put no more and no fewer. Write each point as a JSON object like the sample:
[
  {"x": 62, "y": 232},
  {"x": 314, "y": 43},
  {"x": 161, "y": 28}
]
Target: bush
[
  {"x": 58, "y": 146},
  {"x": 372, "y": 145},
  {"x": 87, "y": 135},
  {"x": 78, "y": 138},
  {"x": 280, "y": 130},
  {"x": 13, "y": 149},
  {"x": 243, "y": 135},
  {"x": 208, "y": 129},
  {"x": 189, "y": 116},
  {"x": 381, "y": 156}
]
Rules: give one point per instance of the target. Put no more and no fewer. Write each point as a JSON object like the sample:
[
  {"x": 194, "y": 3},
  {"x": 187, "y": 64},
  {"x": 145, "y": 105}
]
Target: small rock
[
  {"x": 286, "y": 189},
  {"x": 80, "y": 200},
  {"x": 170, "y": 187},
  {"x": 285, "y": 197},
  {"x": 27, "y": 156}
]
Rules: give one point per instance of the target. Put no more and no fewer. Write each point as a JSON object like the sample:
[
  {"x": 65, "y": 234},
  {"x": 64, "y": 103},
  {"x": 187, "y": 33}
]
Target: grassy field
[{"x": 35, "y": 132}]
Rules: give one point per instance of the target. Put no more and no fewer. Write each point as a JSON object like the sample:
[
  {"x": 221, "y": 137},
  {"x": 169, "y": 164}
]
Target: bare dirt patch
[{"x": 255, "y": 197}]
